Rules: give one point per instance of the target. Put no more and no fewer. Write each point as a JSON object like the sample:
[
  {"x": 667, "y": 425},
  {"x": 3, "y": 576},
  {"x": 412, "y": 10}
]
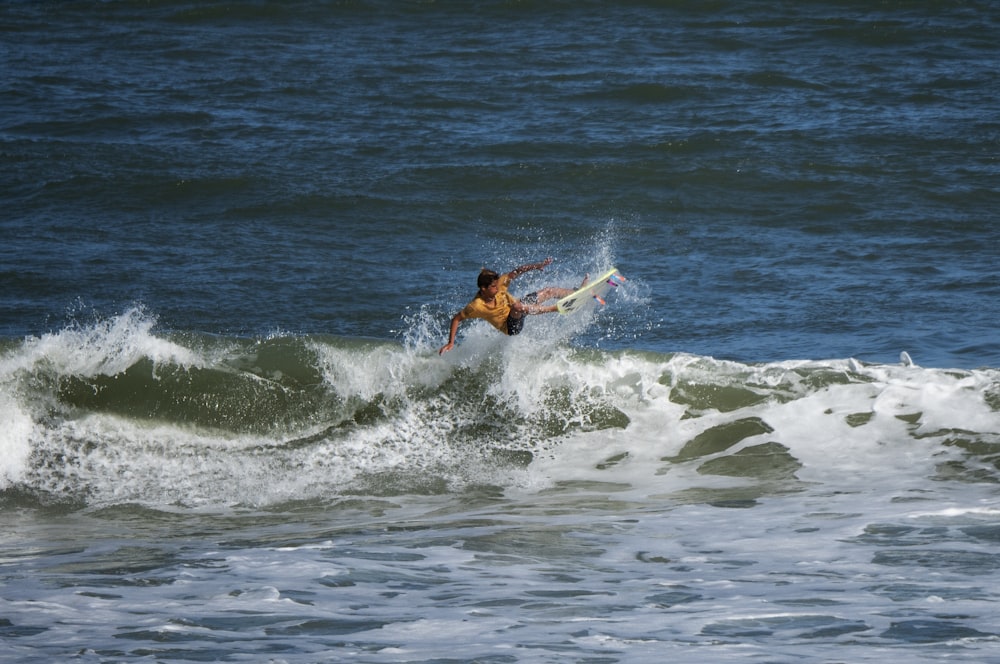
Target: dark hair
[{"x": 486, "y": 277}]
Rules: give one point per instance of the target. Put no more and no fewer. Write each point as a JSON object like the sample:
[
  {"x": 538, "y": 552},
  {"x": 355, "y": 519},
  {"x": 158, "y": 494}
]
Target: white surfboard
[{"x": 593, "y": 293}]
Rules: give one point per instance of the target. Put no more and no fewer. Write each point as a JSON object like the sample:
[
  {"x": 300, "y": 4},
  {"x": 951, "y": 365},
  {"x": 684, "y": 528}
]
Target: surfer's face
[{"x": 491, "y": 290}]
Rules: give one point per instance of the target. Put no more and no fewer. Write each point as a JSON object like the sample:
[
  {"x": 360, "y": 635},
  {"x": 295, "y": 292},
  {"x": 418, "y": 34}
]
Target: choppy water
[{"x": 233, "y": 234}]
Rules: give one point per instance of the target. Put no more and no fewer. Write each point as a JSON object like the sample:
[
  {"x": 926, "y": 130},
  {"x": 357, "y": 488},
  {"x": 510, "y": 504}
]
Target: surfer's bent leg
[
  {"x": 515, "y": 321},
  {"x": 550, "y": 293}
]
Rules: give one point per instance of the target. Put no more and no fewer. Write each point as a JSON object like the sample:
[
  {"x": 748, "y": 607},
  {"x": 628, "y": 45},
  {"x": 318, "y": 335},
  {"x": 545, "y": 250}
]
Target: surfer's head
[{"x": 486, "y": 278}]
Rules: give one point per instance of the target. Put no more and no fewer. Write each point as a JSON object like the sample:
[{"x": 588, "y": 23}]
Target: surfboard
[{"x": 593, "y": 293}]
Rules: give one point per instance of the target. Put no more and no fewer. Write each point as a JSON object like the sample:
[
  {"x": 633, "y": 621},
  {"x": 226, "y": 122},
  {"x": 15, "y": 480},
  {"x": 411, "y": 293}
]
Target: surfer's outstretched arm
[
  {"x": 518, "y": 271},
  {"x": 547, "y": 293},
  {"x": 456, "y": 319}
]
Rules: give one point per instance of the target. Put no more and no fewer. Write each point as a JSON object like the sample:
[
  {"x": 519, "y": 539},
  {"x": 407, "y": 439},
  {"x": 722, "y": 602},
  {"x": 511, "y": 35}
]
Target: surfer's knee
[{"x": 548, "y": 293}]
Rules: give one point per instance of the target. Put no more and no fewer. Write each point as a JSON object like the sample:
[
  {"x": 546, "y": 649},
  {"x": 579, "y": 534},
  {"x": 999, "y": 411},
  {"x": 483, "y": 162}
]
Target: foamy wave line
[{"x": 105, "y": 347}]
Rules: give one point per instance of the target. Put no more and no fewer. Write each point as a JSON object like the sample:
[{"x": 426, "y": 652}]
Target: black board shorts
[{"x": 516, "y": 323}]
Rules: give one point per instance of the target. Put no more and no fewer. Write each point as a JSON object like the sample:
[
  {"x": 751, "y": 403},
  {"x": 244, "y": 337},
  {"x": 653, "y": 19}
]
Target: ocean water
[{"x": 233, "y": 235}]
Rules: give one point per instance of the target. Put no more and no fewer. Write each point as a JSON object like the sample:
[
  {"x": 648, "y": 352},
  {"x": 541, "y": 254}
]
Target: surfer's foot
[{"x": 586, "y": 278}]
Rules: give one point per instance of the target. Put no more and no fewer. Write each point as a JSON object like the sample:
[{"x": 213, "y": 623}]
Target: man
[{"x": 501, "y": 309}]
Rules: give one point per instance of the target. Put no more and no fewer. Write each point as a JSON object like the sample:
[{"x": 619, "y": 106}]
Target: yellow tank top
[{"x": 497, "y": 314}]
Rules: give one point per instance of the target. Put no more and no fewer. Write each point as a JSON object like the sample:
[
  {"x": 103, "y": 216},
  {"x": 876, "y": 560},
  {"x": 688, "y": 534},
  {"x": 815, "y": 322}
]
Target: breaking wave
[{"x": 116, "y": 411}]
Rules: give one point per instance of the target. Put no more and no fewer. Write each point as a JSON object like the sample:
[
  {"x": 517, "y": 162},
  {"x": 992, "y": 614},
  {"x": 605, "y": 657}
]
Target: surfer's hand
[{"x": 445, "y": 348}]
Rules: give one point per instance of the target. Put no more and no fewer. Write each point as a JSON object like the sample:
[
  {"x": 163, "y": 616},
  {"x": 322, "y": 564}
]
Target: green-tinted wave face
[{"x": 239, "y": 402}]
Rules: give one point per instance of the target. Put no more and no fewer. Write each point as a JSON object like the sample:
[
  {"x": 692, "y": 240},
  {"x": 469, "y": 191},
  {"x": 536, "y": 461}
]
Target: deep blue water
[{"x": 806, "y": 180}]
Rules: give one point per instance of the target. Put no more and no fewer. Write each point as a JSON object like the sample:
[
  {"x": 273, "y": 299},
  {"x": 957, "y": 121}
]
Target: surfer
[{"x": 501, "y": 309}]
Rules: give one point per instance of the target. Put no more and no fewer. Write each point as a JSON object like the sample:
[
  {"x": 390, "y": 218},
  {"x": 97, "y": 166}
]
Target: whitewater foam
[
  {"x": 368, "y": 370},
  {"x": 106, "y": 346},
  {"x": 117, "y": 412},
  {"x": 16, "y": 433}
]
